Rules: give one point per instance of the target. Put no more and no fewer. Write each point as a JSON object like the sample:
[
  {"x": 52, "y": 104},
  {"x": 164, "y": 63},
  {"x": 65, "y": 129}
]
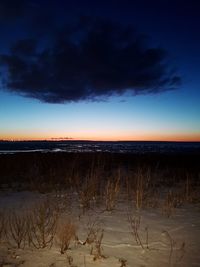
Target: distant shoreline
[
  {"x": 75, "y": 146},
  {"x": 100, "y": 141}
]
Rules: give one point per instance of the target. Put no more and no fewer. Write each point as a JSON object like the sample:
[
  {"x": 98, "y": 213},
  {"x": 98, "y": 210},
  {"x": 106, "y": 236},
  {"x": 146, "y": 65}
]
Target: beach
[{"x": 99, "y": 209}]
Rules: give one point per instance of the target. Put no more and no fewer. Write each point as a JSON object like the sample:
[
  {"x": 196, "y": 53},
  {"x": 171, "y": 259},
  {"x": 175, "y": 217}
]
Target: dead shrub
[
  {"x": 87, "y": 189},
  {"x": 123, "y": 262},
  {"x": 94, "y": 238},
  {"x": 135, "y": 222},
  {"x": 42, "y": 224},
  {"x": 17, "y": 228},
  {"x": 65, "y": 233},
  {"x": 96, "y": 249}
]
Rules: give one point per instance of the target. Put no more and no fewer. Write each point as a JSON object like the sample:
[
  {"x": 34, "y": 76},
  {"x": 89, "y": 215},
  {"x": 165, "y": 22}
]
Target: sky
[{"x": 100, "y": 70}]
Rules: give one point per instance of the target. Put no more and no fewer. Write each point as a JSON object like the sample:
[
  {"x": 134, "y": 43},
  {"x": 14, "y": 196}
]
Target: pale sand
[{"x": 173, "y": 241}]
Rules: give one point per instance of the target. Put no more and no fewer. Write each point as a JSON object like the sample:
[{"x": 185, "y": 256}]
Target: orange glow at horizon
[{"x": 190, "y": 137}]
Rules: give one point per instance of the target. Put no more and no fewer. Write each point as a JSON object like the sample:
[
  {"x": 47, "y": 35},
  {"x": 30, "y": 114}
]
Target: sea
[{"x": 135, "y": 147}]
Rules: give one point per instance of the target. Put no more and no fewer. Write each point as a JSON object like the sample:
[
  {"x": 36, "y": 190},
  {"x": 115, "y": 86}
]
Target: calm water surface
[{"x": 95, "y": 146}]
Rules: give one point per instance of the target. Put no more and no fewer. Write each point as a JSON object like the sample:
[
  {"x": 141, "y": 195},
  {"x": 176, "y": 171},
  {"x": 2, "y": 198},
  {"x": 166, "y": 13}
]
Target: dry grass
[
  {"x": 70, "y": 261},
  {"x": 86, "y": 195},
  {"x": 2, "y": 224},
  {"x": 96, "y": 249},
  {"x": 39, "y": 228},
  {"x": 134, "y": 222},
  {"x": 93, "y": 227},
  {"x": 112, "y": 189},
  {"x": 65, "y": 233},
  {"x": 176, "y": 253},
  {"x": 173, "y": 200},
  {"x": 171, "y": 243},
  {"x": 141, "y": 187},
  {"x": 191, "y": 190},
  {"x": 94, "y": 237},
  {"x": 123, "y": 262},
  {"x": 87, "y": 188}
]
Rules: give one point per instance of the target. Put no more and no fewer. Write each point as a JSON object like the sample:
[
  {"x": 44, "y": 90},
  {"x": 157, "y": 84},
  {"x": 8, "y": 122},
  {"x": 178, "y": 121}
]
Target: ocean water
[{"x": 136, "y": 147}]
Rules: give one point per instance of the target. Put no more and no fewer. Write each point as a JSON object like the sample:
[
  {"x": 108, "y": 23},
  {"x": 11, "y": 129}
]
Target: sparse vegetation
[
  {"x": 134, "y": 222},
  {"x": 2, "y": 224},
  {"x": 123, "y": 262},
  {"x": 173, "y": 200},
  {"x": 43, "y": 224},
  {"x": 88, "y": 187},
  {"x": 96, "y": 249},
  {"x": 171, "y": 243},
  {"x": 97, "y": 185},
  {"x": 94, "y": 238},
  {"x": 112, "y": 189},
  {"x": 141, "y": 187},
  {"x": 66, "y": 231},
  {"x": 70, "y": 261},
  {"x": 17, "y": 228}
]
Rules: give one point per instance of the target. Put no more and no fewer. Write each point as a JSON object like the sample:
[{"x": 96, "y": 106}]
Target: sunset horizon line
[{"x": 95, "y": 140}]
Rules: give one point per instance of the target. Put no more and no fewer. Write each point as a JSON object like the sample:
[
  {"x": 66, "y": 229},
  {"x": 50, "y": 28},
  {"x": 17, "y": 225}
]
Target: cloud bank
[{"x": 88, "y": 60}]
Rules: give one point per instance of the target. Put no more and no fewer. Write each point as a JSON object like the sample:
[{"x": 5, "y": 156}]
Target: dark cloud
[
  {"x": 26, "y": 47},
  {"x": 88, "y": 60},
  {"x": 11, "y": 9}
]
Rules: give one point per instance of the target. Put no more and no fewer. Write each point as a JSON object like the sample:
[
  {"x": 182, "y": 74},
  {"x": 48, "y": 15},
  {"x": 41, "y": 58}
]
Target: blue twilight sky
[{"x": 118, "y": 115}]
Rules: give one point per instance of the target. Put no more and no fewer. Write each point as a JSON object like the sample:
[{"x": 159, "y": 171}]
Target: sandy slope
[{"x": 173, "y": 241}]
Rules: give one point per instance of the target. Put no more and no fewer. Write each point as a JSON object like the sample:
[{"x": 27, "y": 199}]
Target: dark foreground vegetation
[
  {"x": 90, "y": 173},
  {"x": 57, "y": 166},
  {"x": 61, "y": 168}
]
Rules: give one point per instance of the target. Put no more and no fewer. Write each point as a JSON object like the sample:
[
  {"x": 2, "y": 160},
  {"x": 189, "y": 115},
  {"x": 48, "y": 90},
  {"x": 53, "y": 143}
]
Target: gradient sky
[{"x": 165, "y": 115}]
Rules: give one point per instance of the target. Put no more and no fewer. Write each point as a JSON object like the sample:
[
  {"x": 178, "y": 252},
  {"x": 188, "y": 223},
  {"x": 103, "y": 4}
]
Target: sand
[{"x": 164, "y": 241}]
